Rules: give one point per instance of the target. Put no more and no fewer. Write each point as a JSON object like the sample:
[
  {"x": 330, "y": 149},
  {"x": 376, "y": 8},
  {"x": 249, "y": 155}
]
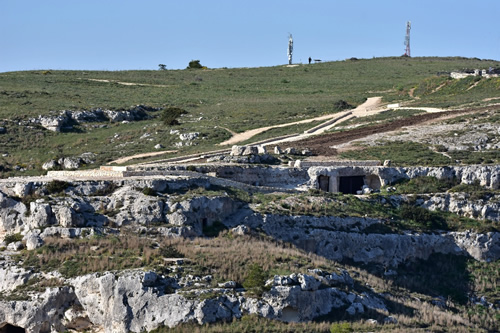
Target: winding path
[{"x": 371, "y": 105}]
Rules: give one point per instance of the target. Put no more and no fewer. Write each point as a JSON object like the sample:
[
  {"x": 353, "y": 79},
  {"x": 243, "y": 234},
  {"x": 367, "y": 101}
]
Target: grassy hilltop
[{"x": 217, "y": 101}]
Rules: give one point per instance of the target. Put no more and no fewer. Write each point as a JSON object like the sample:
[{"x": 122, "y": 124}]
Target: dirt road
[
  {"x": 367, "y": 108},
  {"x": 128, "y": 158},
  {"x": 320, "y": 145}
]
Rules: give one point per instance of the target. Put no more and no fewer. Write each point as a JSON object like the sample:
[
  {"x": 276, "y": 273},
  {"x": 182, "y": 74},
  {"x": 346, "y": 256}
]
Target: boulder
[
  {"x": 308, "y": 282},
  {"x": 250, "y": 150},
  {"x": 15, "y": 246},
  {"x": 261, "y": 150},
  {"x": 355, "y": 308},
  {"x": 50, "y": 165},
  {"x": 88, "y": 158},
  {"x": 40, "y": 215},
  {"x": 71, "y": 162},
  {"x": 53, "y": 123},
  {"x": 33, "y": 240},
  {"x": 227, "y": 285},
  {"x": 189, "y": 136},
  {"x": 237, "y": 150},
  {"x": 12, "y": 276},
  {"x": 240, "y": 230}
]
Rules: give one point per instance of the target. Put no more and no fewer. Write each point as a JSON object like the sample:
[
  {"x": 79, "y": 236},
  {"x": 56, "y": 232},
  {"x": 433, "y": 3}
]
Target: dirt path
[
  {"x": 130, "y": 83},
  {"x": 128, "y": 158},
  {"x": 320, "y": 145},
  {"x": 367, "y": 108}
]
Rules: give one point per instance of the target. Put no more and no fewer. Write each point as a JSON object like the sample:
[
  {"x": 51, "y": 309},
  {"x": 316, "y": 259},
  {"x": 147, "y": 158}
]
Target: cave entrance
[
  {"x": 351, "y": 184},
  {"x": 324, "y": 183},
  {"x": 8, "y": 328},
  {"x": 290, "y": 315}
]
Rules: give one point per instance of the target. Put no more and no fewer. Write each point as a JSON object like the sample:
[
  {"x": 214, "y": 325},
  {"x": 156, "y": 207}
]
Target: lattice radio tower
[
  {"x": 290, "y": 49},
  {"x": 407, "y": 39}
]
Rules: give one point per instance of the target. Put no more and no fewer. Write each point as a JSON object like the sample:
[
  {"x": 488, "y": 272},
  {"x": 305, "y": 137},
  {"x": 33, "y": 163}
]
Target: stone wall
[
  {"x": 95, "y": 173},
  {"x": 486, "y": 175}
]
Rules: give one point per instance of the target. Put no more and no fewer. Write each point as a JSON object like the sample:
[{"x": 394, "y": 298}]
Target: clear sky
[{"x": 140, "y": 34}]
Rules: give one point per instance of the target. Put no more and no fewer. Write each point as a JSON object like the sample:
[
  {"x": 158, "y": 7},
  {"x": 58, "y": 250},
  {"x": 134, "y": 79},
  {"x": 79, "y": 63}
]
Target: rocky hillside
[{"x": 143, "y": 254}]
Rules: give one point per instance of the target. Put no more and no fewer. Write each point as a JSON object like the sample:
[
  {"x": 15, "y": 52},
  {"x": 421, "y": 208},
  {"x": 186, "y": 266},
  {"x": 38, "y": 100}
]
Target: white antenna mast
[
  {"x": 290, "y": 48},
  {"x": 407, "y": 39}
]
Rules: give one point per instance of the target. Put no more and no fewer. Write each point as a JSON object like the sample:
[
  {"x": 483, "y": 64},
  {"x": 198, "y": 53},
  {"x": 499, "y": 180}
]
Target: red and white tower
[{"x": 407, "y": 39}]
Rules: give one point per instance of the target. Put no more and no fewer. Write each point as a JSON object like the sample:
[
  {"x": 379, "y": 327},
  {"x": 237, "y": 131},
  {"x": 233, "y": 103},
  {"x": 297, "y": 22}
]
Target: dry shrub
[{"x": 228, "y": 258}]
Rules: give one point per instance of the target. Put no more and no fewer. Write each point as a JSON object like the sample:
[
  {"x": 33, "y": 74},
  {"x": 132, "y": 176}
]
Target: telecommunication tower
[
  {"x": 290, "y": 49},
  {"x": 407, "y": 39}
]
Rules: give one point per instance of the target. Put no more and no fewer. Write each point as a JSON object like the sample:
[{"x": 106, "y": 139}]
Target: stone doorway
[
  {"x": 324, "y": 183},
  {"x": 351, "y": 184}
]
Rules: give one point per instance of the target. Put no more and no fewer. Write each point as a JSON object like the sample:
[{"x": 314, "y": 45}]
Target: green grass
[
  {"x": 401, "y": 153},
  {"x": 238, "y": 99},
  {"x": 424, "y": 184},
  {"x": 383, "y": 117}
]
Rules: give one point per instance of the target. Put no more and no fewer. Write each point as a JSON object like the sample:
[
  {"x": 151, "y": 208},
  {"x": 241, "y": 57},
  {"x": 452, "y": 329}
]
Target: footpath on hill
[
  {"x": 321, "y": 145},
  {"x": 369, "y": 107}
]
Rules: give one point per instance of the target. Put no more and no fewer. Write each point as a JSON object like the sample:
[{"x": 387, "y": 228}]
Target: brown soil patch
[{"x": 320, "y": 145}]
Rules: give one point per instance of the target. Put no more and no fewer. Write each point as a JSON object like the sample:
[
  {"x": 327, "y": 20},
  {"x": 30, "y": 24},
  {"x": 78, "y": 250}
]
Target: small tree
[
  {"x": 194, "y": 64},
  {"x": 170, "y": 115},
  {"x": 162, "y": 67},
  {"x": 255, "y": 279}
]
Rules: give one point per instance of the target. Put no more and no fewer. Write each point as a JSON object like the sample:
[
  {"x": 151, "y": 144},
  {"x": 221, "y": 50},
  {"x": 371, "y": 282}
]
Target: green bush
[
  {"x": 341, "y": 328},
  {"x": 255, "y": 279},
  {"x": 341, "y": 105},
  {"x": 194, "y": 64},
  {"x": 423, "y": 217},
  {"x": 149, "y": 191},
  {"x": 169, "y": 251},
  {"x": 170, "y": 115},
  {"x": 57, "y": 186},
  {"x": 13, "y": 238},
  {"x": 425, "y": 184}
]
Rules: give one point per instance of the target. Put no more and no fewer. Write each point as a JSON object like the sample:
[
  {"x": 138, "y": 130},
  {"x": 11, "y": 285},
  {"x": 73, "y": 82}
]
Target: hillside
[
  {"x": 218, "y": 102},
  {"x": 378, "y": 214}
]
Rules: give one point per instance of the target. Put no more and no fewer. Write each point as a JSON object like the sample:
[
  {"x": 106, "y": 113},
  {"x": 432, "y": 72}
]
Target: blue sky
[{"x": 129, "y": 34}]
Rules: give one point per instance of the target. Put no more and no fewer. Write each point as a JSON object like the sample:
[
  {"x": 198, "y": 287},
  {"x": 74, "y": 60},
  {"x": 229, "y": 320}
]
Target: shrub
[
  {"x": 57, "y": 186},
  {"x": 170, "y": 115},
  {"x": 423, "y": 217},
  {"x": 341, "y": 328},
  {"x": 342, "y": 105},
  {"x": 255, "y": 279},
  {"x": 194, "y": 64},
  {"x": 149, "y": 191},
  {"x": 169, "y": 251},
  {"x": 13, "y": 238}
]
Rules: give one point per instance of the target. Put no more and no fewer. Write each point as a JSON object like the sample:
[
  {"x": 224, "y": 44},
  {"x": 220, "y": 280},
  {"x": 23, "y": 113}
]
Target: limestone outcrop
[{"x": 137, "y": 301}]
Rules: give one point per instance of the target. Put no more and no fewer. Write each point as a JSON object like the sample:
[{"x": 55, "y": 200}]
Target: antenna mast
[
  {"x": 290, "y": 48},
  {"x": 407, "y": 39}
]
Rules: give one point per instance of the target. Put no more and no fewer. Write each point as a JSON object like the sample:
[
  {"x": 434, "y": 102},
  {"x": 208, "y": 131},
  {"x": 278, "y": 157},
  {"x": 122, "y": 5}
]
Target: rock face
[
  {"x": 40, "y": 314},
  {"x": 135, "y": 301},
  {"x": 67, "y": 117},
  {"x": 312, "y": 234},
  {"x": 139, "y": 301}
]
